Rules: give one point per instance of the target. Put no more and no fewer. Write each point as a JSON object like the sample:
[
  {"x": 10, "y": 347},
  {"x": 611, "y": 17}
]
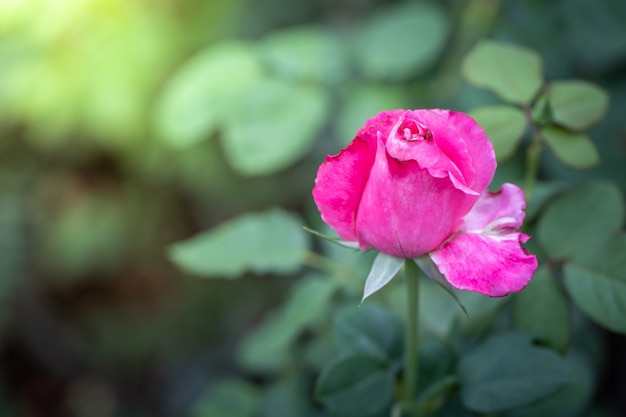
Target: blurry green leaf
[
  {"x": 575, "y": 150},
  {"x": 577, "y": 104},
  {"x": 306, "y": 53},
  {"x": 543, "y": 191},
  {"x": 437, "y": 360},
  {"x": 401, "y": 42},
  {"x": 541, "y": 309},
  {"x": 368, "y": 329},
  {"x": 356, "y": 386},
  {"x": 581, "y": 219},
  {"x": 504, "y": 125},
  {"x": 507, "y": 371},
  {"x": 194, "y": 99},
  {"x": 512, "y": 72},
  {"x": 272, "y": 125},
  {"x": 93, "y": 233},
  {"x": 596, "y": 281},
  {"x": 231, "y": 397},
  {"x": 267, "y": 347},
  {"x": 569, "y": 400},
  {"x": 594, "y": 33},
  {"x": 272, "y": 241},
  {"x": 360, "y": 102},
  {"x": 384, "y": 268},
  {"x": 288, "y": 396}
]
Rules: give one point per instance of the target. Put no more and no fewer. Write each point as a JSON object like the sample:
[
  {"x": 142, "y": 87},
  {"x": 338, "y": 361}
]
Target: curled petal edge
[{"x": 491, "y": 264}]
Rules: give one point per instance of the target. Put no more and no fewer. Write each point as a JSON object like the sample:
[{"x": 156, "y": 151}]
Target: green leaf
[
  {"x": 306, "y": 53},
  {"x": 595, "y": 33},
  {"x": 392, "y": 45},
  {"x": 507, "y": 371},
  {"x": 231, "y": 397},
  {"x": 356, "y": 386},
  {"x": 384, "y": 268},
  {"x": 575, "y": 150},
  {"x": 368, "y": 329},
  {"x": 596, "y": 281},
  {"x": 193, "y": 100},
  {"x": 577, "y": 104},
  {"x": 541, "y": 309},
  {"x": 437, "y": 361},
  {"x": 504, "y": 125},
  {"x": 542, "y": 193},
  {"x": 581, "y": 219},
  {"x": 272, "y": 125},
  {"x": 572, "y": 398},
  {"x": 287, "y": 396},
  {"x": 515, "y": 74},
  {"x": 271, "y": 241},
  {"x": 267, "y": 347},
  {"x": 360, "y": 102}
]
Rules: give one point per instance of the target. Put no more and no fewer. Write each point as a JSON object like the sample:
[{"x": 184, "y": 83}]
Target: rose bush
[{"x": 413, "y": 183}]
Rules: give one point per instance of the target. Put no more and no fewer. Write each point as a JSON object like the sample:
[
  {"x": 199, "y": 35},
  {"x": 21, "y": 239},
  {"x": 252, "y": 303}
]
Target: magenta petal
[
  {"x": 491, "y": 264},
  {"x": 487, "y": 255},
  {"x": 477, "y": 144},
  {"x": 463, "y": 141},
  {"x": 339, "y": 185},
  {"x": 502, "y": 210},
  {"x": 406, "y": 212}
]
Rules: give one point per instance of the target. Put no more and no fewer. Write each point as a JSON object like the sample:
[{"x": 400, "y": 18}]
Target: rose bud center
[{"x": 411, "y": 131}]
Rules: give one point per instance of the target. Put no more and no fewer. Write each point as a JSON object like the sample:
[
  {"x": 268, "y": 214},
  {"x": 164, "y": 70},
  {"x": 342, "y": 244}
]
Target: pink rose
[{"x": 414, "y": 183}]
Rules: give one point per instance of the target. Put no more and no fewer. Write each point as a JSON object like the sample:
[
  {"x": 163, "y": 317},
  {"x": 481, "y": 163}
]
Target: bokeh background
[{"x": 128, "y": 125}]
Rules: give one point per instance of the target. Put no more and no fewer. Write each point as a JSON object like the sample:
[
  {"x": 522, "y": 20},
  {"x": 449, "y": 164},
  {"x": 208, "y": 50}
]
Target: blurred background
[{"x": 128, "y": 125}]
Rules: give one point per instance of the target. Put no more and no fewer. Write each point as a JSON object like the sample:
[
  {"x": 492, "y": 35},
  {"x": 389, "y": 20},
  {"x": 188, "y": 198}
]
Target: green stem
[
  {"x": 411, "y": 349},
  {"x": 533, "y": 156}
]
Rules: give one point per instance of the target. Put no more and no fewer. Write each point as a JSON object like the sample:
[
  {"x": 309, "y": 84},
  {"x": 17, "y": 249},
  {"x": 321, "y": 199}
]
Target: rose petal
[
  {"x": 502, "y": 210},
  {"x": 478, "y": 145},
  {"x": 339, "y": 185},
  {"x": 426, "y": 153},
  {"x": 382, "y": 122},
  {"x": 493, "y": 265},
  {"x": 461, "y": 148},
  {"x": 405, "y": 211},
  {"x": 464, "y": 142}
]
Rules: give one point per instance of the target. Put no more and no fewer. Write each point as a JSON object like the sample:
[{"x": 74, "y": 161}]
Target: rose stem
[
  {"x": 533, "y": 155},
  {"x": 411, "y": 352}
]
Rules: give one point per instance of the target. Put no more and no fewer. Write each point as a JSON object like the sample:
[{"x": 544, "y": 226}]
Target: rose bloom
[{"x": 413, "y": 183}]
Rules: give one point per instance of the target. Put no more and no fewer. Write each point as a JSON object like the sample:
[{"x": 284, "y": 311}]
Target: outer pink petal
[
  {"x": 502, "y": 210},
  {"x": 493, "y": 265},
  {"x": 405, "y": 211},
  {"x": 478, "y": 144},
  {"x": 382, "y": 122},
  {"x": 339, "y": 185},
  {"x": 487, "y": 255}
]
